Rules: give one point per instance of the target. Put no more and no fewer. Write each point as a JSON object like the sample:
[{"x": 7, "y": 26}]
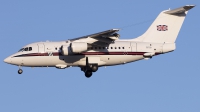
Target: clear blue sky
[{"x": 166, "y": 83}]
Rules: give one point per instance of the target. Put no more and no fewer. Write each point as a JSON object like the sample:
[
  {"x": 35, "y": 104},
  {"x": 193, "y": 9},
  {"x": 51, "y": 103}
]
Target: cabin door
[
  {"x": 133, "y": 46},
  {"x": 41, "y": 48}
]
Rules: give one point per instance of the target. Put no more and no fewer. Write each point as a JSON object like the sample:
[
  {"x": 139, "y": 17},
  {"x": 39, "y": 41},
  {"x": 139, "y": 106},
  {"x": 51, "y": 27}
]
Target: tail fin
[{"x": 166, "y": 27}]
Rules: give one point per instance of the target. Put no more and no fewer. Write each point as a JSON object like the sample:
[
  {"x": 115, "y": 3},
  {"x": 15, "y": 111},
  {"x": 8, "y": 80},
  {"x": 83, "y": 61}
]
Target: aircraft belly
[
  {"x": 102, "y": 60},
  {"x": 120, "y": 59},
  {"x": 107, "y": 60}
]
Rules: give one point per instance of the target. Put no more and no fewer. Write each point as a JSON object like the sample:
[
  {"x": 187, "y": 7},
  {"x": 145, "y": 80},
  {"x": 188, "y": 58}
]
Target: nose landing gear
[{"x": 20, "y": 71}]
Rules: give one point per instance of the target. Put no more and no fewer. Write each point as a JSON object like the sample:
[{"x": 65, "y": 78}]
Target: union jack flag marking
[{"x": 162, "y": 27}]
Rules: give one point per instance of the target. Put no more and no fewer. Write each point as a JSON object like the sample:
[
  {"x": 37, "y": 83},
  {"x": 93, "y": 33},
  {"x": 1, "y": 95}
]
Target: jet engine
[
  {"x": 66, "y": 50},
  {"x": 74, "y": 48},
  {"x": 114, "y": 36},
  {"x": 78, "y": 47}
]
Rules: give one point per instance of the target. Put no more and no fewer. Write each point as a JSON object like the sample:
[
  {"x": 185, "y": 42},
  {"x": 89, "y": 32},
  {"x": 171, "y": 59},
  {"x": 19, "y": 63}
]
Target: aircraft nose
[{"x": 7, "y": 60}]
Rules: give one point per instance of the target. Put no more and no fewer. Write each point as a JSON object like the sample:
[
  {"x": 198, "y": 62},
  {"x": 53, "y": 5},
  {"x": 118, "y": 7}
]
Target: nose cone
[{"x": 7, "y": 60}]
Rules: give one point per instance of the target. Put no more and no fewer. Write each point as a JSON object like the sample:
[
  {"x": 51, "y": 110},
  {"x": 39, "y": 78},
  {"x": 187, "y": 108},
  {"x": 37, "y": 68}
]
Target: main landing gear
[
  {"x": 89, "y": 68},
  {"x": 88, "y": 73}
]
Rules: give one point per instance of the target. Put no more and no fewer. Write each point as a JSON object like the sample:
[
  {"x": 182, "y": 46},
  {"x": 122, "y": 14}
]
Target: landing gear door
[
  {"x": 41, "y": 48},
  {"x": 133, "y": 47}
]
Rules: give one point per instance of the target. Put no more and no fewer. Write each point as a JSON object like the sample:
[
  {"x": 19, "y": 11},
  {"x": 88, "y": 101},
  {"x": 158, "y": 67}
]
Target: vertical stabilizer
[{"x": 166, "y": 27}]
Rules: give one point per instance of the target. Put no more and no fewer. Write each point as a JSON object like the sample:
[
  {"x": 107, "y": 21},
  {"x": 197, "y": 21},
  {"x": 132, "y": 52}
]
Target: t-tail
[{"x": 166, "y": 27}]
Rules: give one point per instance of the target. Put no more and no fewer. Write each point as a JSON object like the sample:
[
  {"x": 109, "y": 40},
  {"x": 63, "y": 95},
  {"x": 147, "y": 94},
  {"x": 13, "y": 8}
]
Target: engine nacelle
[
  {"x": 73, "y": 48},
  {"x": 66, "y": 50},
  {"x": 115, "y": 36},
  {"x": 78, "y": 47}
]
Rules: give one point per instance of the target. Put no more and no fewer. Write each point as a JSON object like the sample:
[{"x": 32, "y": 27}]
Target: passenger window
[
  {"x": 119, "y": 48},
  {"x": 30, "y": 48},
  {"x": 95, "y": 47},
  {"x": 111, "y": 47},
  {"x": 99, "y": 47},
  {"x": 26, "y": 49},
  {"x": 103, "y": 47},
  {"x": 115, "y": 47},
  {"x": 122, "y": 47}
]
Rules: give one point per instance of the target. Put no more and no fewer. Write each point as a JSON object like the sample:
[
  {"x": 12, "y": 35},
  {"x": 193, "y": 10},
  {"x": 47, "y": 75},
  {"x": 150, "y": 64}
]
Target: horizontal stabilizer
[{"x": 180, "y": 10}]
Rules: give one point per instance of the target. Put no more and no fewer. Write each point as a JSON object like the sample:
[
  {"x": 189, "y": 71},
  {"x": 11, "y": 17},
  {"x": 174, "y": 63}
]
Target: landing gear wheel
[
  {"x": 88, "y": 73},
  {"x": 94, "y": 68},
  {"x": 20, "y": 71}
]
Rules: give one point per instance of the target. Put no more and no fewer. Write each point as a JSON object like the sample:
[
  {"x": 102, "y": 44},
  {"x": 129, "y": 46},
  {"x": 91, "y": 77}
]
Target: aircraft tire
[
  {"x": 94, "y": 68},
  {"x": 20, "y": 71},
  {"x": 88, "y": 73}
]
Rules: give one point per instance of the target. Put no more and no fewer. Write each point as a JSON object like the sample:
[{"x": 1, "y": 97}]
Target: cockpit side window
[
  {"x": 30, "y": 48},
  {"x": 26, "y": 49}
]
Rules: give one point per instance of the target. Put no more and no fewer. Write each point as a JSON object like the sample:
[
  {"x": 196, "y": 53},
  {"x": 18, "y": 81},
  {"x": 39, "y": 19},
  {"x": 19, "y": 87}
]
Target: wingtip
[
  {"x": 115, "y": 29},
  {"x": 191, "y": 5},
  {"x": 188, "y": 7}
]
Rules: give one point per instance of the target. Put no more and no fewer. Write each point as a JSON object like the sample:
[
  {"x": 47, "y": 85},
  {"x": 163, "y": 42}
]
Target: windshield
[
  {"x": 21, "y": 49},
  {"x": 25, "y": 49}
]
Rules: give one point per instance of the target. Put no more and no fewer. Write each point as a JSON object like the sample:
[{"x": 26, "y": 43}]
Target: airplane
[{"x": 104, "y": 48}]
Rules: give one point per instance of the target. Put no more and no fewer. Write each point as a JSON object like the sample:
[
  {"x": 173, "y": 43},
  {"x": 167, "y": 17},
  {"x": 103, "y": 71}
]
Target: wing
[{"x": 104, "y": 37}]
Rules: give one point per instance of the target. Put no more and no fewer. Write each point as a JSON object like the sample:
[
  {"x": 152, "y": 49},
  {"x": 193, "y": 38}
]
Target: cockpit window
[
  {"x": 26, "y": 49},
  {"x": 21, "y": 49},
  {"x": 30, "y": 49}
]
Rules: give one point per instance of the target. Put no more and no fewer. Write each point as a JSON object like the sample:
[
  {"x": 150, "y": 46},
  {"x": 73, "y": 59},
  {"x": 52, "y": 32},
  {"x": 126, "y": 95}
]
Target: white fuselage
[{"x": 48, "y": 54}]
